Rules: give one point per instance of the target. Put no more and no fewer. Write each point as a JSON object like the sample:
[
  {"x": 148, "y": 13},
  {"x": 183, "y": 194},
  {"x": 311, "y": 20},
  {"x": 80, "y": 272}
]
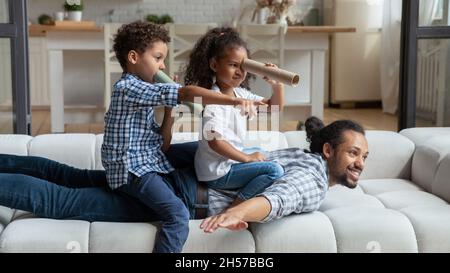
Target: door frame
[
  {"x": 17, "y": 31},
  {"x": 410, "y": 36}
]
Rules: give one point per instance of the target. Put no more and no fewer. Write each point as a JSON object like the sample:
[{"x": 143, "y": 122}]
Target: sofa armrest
[{"x": 441, "y": 183}]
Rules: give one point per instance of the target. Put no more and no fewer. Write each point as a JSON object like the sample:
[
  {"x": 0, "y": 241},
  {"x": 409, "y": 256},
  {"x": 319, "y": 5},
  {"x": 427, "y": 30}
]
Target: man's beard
[{"x": 344, "y": 181}]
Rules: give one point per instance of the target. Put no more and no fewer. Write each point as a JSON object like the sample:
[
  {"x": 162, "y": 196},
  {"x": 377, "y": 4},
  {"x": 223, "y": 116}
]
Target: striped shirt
[
  {"x": 132, "y": 142},
  {"x": 301, "y": 189}
]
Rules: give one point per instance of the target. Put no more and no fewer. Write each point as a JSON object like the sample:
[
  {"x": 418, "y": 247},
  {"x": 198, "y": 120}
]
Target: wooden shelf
[
  {"x": 41, "y": 30},
  {"x": 320, "y": 29}
]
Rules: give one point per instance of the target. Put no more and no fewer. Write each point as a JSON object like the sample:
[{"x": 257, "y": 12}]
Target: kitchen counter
[
  {"x": 319, "y": 29},
  {"x": 42, "y": 30}
]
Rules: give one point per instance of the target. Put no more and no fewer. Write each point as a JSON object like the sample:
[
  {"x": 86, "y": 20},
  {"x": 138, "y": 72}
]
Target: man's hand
[
  {"x": 256, "y": 157},
  {"x": 226, "y": 219}
]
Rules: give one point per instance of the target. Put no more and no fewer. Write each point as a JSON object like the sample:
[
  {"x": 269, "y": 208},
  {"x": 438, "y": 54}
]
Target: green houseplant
[
  {"x": 163, "y": 19},
  {"x": 75, "y": 9}
]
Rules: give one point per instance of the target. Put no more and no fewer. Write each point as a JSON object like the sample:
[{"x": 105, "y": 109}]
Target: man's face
[
  {"x": 346, "y": 162},
  {"x": 151, "y": 61}
]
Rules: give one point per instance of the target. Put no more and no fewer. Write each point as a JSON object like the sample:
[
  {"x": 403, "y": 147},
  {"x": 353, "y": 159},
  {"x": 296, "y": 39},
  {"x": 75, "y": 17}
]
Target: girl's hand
[
  {"x": 270, "y": 81},
  {"x": 256, "y": 157}
]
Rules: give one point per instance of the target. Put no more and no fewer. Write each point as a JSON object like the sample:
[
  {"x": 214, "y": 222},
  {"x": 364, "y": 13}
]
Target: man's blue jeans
[{"x": 54, "y": 190}]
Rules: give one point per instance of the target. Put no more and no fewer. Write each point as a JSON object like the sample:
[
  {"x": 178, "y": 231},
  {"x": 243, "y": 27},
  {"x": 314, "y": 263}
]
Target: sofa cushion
[
  {"x": 421, "y": 135},
  {"x": 297, "y": 139},
  {"x": 222, "y": 240},
  {"x": 76, "y": 150},
  {"x": 378, "y": 186},
  {"x": 441, "y": 184},
  {"x": 427, "y": 159},
  {"x": 14, "y": 144},
  {"x": 6, "y": 215},
  {"x": 45, "y": 235},
  {"x": 365, "y": 229},
  {"x": 313, "y": 233},
  {"x": 390, "y": 156},
  {"x": 402, "y": 199},
  {"x": 339, "y": 196},
  {"x": 266, "y": 140},
  {"x": 432, "y": 226},
  {"x": 98, "y": 152},
  {"x": 184, "y": 137},
  {"x": 121, "y": 237}
]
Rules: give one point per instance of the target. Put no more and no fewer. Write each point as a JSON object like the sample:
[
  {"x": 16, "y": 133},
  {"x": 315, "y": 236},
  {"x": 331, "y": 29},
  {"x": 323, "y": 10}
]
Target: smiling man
[{"x": 336, "y": 156}]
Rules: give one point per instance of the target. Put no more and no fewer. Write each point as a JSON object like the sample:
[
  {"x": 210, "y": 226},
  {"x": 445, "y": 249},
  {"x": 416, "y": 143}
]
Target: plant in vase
[
  {"x": 278, "y": 10},
  {"x": 74, "y": 9}
]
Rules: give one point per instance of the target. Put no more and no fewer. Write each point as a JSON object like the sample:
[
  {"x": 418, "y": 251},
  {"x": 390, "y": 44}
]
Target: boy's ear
[
  {"x": 132, "y": 57},
  {"x": 213, "y": 64}
]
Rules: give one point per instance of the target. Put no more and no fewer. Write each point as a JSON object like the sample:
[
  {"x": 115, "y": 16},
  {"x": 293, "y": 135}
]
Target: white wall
[{"x": 189, "y": 11}]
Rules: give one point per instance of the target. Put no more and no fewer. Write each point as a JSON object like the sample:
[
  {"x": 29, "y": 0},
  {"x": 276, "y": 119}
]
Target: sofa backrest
[
  {"x": 431, "y": 161},
  {"x": 14, "y": 144},
  {"x": 390, "y": 153}
]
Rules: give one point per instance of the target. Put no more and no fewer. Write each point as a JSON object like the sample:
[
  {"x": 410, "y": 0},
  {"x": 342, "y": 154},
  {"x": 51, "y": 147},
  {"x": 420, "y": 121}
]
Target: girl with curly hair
[{"x": 221, "y": 160}]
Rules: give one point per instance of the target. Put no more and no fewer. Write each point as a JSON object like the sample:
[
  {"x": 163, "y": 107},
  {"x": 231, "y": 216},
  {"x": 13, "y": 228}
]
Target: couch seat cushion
[
  {"x": 309, "y": 232},
  {"x": 403, "y": 199},
  {"x": 432, "y": 226},
  {"x": 221, "y": 241},
  {"x": 378, "y": 186},
  {"x": 111, "y": 237},
  {"x": 366, "y": 229},
  {"x": 45, "y": 235}
]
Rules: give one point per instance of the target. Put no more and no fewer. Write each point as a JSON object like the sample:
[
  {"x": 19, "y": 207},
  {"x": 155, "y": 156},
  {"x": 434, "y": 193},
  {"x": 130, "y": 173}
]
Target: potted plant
[
  {"x": 163, "y": 19},
  {"x": 74, "y": 9}
]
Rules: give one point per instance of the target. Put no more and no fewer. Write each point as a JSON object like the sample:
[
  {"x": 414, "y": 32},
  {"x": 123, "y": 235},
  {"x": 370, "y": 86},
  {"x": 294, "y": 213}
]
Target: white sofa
[{"x": 400, "y": 205}]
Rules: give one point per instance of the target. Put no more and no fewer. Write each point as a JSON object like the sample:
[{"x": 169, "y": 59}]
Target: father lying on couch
[{"x": 53, "y": 190}]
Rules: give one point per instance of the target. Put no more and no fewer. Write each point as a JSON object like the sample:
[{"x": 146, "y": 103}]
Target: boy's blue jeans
[
  {"x": 251, "y": 178},
  {"x": 54, "y": 190},
  {"x": 153, "y": 191}
]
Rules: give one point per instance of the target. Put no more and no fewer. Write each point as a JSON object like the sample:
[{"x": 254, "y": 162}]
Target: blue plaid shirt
[{"x": 132, "y": 142}]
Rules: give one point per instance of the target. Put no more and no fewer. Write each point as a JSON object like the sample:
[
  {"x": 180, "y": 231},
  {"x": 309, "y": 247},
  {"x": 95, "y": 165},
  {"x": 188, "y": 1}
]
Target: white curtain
[
  {"x": 427, "y": 10},
  {"x": 390, "y": 54}
]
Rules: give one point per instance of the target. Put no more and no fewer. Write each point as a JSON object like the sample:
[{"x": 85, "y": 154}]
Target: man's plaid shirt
[
  {"x": 301, "y": 189},
  {"x": 132, "y": 142}
]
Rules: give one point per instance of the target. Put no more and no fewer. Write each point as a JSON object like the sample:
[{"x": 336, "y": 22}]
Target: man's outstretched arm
[{"x": 235, "y": 218}]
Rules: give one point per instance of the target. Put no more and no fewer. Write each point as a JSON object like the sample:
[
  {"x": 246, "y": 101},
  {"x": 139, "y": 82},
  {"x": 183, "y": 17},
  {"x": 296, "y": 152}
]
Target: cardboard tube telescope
[
  {"x": 277, "y": 74},
  {"x": 162, "y": 77}
]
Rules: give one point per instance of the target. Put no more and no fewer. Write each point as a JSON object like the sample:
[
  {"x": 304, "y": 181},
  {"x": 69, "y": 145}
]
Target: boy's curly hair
[
  {"x": 212, "y": 45},
  {"x": 137, "y": 36}
]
